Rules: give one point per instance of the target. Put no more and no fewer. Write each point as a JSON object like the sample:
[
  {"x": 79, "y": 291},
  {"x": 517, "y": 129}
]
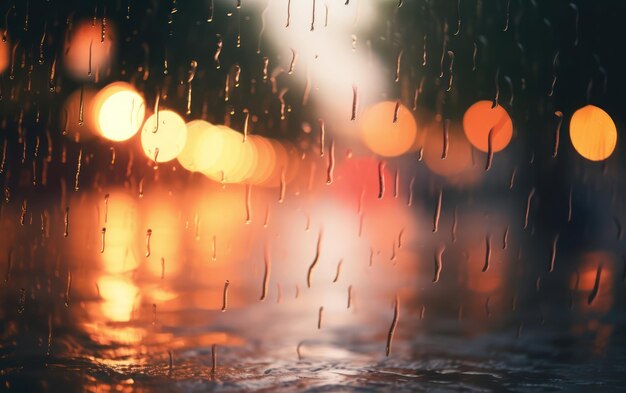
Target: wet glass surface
[{"x": 302, "y": 195}]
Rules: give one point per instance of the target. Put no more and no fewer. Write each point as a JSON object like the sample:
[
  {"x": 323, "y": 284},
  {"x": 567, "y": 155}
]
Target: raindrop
[
  {"x": 424, "y": 52},
  {"x": 210, "y": 17},
  {"x": 444, "y": 49},
  {"x": 89, "y": 63},
  {"x": 102, "y": 241},
  {"x": 354, "y": 102},
  {"x": 225, "y": 296},
  {"x": 394, "y": 324},
  {"x": 81, "y": 107},
  {"x": 148, "y": 236},
  {"x": 381, "y": 179},
  {"x": 24, "y": 211},
  {"x": 68, "y": 288},
  {"x": 487, "y": 253},
  {"x": 596, "y": 286},
  {"x": 529, "y": 201},
  {"x": 512, "y": 180},
  {"x": 265, "y": 65},
  {"x": 451, "y": 56},
  {"x": 248, "y": 203},
  {"x": 267, "y": 216},
  {"x": 66, "y": 221},
  {"x": 294, "y": 58},
  {"x": 438, "y": 261},
  {"x": 437, "y": 211},
  {"x": 43, "y": 40},
  {"x": 497, "y": 80},
  {"x": 553, "y": 253},
  {"x": 398, "y": 61},
  {"x": 489, "y": 150},
  {"x": 505, "y": 238},
  {"x": 338, "y": 270},
  {"x": 474, "y": 56},
  {"x": 316, "y": 259},
  {"x": 322, "y": 136},
  {"x": 213, "y": 359},
  {"x": 246, "y": 122},
  {"x": 218, "y": 51},
  {"x": 396, "y": 184},
  {"x": 170, "y": 368},
  {"x": 298, "y": 350},
  {"x": 349, "y": 296},
  {"x": 396, "y": 111},
  {"x": 454, "y": 223},
  {"x": 508, "y": 7},
  {"x": 411, "y": 184},
  {"x": 266, "y": 274},
  {"x": 320, "y": 315},
  {"x": 4, "y": 156},
  {"x": 557, "y": 133},
  {"x": 444, "y": 150},
  {"x": 331, "y": 163}
]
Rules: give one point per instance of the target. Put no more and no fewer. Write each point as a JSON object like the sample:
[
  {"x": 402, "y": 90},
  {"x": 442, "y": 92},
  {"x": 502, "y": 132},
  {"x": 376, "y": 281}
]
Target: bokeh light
[
  {"x": 4, "y": 53},
  {"x": 120, "y": 110},
  {"x": 458, "y": 156},
  {"x": 202, "y": 148},
  {"x": 165, "y": 141},
  {"x": 593, "y": 133},
  {"x": 89, "y": 50},
  {"x": 119, "y": 296},
  {"x": 480, "y": 119},
  {"x": 76, "y": 118},
  {"x": 386, "y": 132}
]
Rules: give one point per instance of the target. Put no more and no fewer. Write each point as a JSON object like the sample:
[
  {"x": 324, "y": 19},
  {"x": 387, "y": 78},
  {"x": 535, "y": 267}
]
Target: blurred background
[{"x": 308, "y": 195}]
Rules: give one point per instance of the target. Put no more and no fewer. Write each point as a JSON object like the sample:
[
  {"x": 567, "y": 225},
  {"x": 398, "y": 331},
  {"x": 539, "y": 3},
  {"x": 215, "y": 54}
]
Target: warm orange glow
[
  {"x": 223, "y": 155},
  {"x": 382, "y": 135},
  {"x": 593, "y": 133},
  {"x": 459, "y": 153},
  {"x": 265, "y": 162},
  {"x": 164, "y": 142},
  {"x": 480, "y": 119},
  {"x": 202, "y": 146},
  {"x": 87, "y": 53},
  {"x": 588, "y": 271},
  {"x": 164, "y": 240},
  {"x": 119, "y": 296},
  {"x": 77, "y": 117},
  {"x": 120, "y": 254},
  {"x": 223, "y": 165},
  {"x": 119, "y": 110},
  {"x": 492, "y": 280},
  {"x": 4, "y": 53},
  {"x": 281, "y": 163}
]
